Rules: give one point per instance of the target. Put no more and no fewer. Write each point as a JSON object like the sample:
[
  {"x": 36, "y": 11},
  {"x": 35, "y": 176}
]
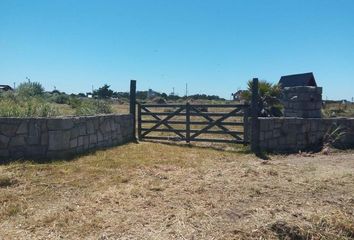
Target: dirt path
[{"x": 157, "y": 191}]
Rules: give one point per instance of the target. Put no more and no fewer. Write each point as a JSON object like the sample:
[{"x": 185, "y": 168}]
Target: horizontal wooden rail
[
  {"x": 195, "y": 122},
  {"x": 217, "y": 140},
  {"x": 193, "y": 131},
  {"x": 216, "y": 114},
  {"x": 195, "y": 139},
  {"x": 197, "y": 105},
  {"x": 164, "y": 138}
]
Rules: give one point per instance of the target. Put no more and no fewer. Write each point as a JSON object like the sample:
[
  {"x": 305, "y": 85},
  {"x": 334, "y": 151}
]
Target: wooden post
[
  {"x": 188, "y": 126},
  {"x": 132, "y": 102},
  {"x": 246, "y": 125},
  {"x": 139, "y": 121},
  {"x": 255, "y": 131}
]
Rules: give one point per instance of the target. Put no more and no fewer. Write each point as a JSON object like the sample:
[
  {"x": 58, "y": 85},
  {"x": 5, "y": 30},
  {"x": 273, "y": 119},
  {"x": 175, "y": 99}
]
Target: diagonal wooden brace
[
  {"x": 163, "y": 121},
  {"x": 216, "y": 123}
]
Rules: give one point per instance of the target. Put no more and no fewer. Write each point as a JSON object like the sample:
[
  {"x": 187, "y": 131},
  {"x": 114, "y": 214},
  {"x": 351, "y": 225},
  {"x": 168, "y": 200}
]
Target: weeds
[
  {"x": 338, "y": 110},
  {"x": 6, "y": 182},
  {"x": 18, "y": 105},
  {"x": 339, "y": 136},
  {"x": 26, "y": 107},
  {"x": 337, "y": 226},
  {"x": 12, "y": 210},
  {"x": 287, "y": 231},
  {"x": 90, "y": 107}
]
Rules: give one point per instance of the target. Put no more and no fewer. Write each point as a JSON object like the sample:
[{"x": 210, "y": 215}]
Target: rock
[
  {"x": 17, "y": 152},
  {"x": 4, "y": 153},
  {"x": 23, "y": 128},
  {"x": 35, "y": 151},
  {"x": 59, "y": 140},
  {"x": 44, "y": 139},
  {"x": 90, "y": 127},
  {"x": 4, "y": 141},
  {"x": 73, "y": 143},
  {"x": 8, "y": 129},
  {"x": 59, "y": 124},
  {"x": 17, "y": 141},
  {"x": 75, "y": 132},
  {"x": 99, "y": 136},
  {"x": 93, "y": 139},
  {"x": 82, "y": 129}
]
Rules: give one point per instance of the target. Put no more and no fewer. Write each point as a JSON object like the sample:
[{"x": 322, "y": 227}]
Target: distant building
[
  {"x": 237, "y": 96},
  {"x": 296, "y": 80},
  {"x": 5, "y": 88}
]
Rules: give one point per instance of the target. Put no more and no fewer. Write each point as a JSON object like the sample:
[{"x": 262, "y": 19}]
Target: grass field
[
  {"x": 338, "y": 110},
  {"x": 164, "y": 191}
]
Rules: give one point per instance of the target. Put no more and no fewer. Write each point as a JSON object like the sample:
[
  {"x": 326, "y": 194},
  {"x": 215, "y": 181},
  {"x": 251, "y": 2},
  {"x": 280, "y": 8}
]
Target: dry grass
[
  {"x": 338, "y": 110},
  {"x": 160, "y": 191},
  {"x": 120, "y": 108}
]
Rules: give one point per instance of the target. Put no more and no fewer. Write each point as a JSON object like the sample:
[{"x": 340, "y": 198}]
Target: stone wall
[
  {"x": 303, "y": 102},
  {"x": 294, "y": 134},
  {"x": 61, "y": 137}
]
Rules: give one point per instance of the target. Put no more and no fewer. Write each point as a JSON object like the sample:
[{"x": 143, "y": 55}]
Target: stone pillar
[{"x": 302, "y": 102}]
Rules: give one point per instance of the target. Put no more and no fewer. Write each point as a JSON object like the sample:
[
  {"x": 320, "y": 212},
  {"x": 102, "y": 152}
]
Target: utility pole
[
  {"x": 14, "y": 85},
  {"x": 186, "y": 89}
]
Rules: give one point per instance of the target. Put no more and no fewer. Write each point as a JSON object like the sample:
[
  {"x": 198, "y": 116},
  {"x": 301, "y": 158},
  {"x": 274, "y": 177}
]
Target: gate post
[
  {"x": 132, "y": 103},
  {"x": 255, "y": 131},
  {"x": 246, "y": 133},
  {"x": 139, "y": 121},
  {"x": 188, "y": 126}
]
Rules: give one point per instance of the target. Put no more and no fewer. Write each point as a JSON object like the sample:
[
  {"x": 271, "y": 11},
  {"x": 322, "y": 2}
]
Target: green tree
[
  {"x": 30, "y": 89},
  {"x": 270, "y": 95},
  {"x": 103, "y": 92}
]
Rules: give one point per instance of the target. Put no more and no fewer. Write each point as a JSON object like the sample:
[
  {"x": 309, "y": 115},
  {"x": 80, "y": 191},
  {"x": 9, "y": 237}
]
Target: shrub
[
  {"x": 30, "y": 89},
  {"x": 339, "y": 136},
  {"x": 60, "y": 98},
  {"x": 30, "y": 107},
  {"x": 90, "y": 106},
  {"x": 14, "y": 105},
  {"x": 269, "y": 98}
]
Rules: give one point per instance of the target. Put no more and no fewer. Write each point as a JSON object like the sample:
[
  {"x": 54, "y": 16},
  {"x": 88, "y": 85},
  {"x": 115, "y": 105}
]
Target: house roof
[{"x": 303, "y": 79}]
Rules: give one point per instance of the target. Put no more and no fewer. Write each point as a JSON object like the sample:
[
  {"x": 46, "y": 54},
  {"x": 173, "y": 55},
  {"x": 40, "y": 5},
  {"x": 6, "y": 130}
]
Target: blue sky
[{"x": 213, "y": 45}]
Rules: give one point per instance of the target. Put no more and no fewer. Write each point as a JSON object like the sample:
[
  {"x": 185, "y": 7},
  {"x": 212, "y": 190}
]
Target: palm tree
[{"x": 269, "y": 104}]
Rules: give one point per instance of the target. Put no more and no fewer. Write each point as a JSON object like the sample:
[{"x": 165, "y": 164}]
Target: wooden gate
[{"x": 194, "y": 122}]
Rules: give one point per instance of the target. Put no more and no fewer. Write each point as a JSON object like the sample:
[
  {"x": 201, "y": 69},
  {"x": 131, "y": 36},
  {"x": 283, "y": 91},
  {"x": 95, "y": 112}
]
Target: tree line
[{"x": 105, "y": 92}]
